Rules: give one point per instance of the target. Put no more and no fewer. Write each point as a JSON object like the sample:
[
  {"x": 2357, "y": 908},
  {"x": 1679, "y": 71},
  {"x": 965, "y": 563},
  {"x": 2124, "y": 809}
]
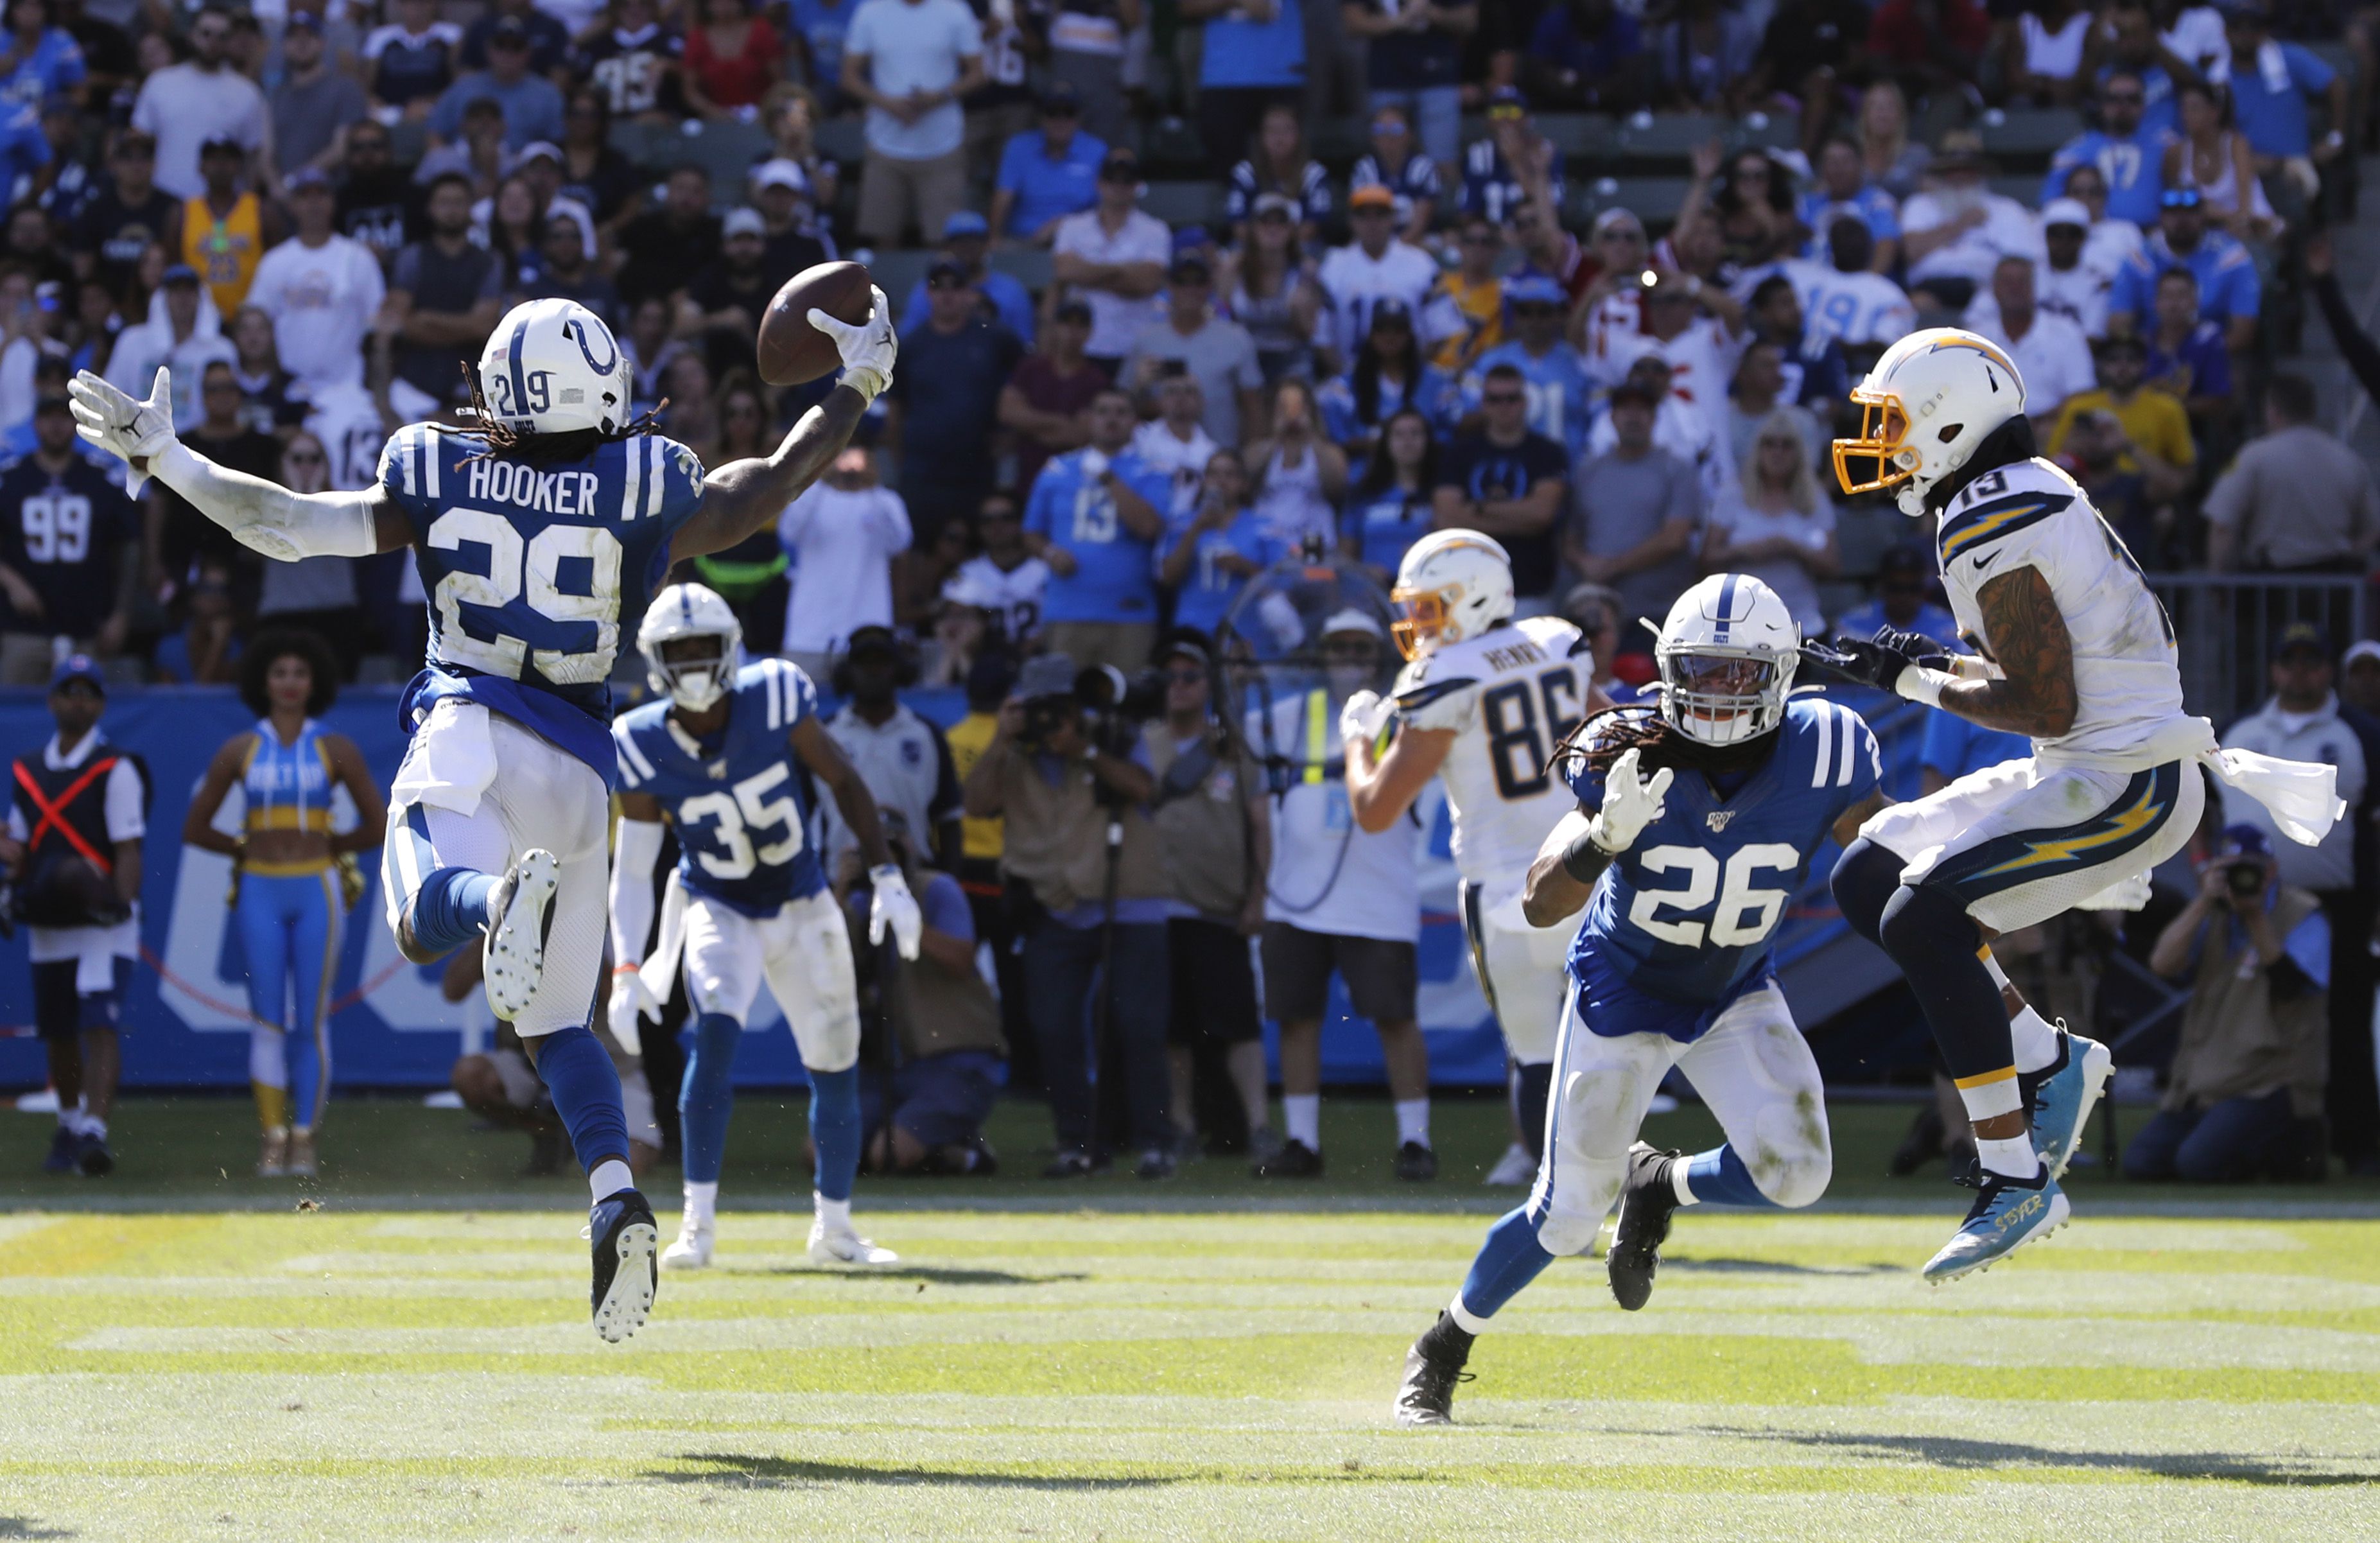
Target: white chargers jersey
[
  {"x": 1510, "y": 695},
  {"x": 2127, "y": 683}
]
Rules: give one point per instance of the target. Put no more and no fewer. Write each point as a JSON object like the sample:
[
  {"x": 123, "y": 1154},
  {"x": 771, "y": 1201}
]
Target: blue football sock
[
  {"x": 1719, "y": 1178},
  {"x": 586, "y": 1088},
  {"x": 834, "y": 1130},
  {"x": 1510, "y": 1259},
  {"x": 708, "y": 1096},
  {"x": 451, "y": 907},
  {"x": 1532, "y": 1088}
]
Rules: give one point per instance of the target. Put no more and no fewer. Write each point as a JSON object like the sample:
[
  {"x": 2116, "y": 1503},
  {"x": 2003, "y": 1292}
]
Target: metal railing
[{"x": 2226, "y": 624}]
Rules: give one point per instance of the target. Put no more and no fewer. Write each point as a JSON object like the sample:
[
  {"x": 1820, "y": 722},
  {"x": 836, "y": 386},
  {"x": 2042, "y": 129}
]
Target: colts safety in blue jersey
[{"x": 740, "y": 802}]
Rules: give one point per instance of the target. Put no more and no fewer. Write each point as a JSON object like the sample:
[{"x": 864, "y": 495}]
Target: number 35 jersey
[
  {"x": 739, "y": 802},
  {"x": 2126, "y": 681},
  {"x": 532, "y": 570},
  {"x": 1687, "y": 914},
  {"x": 1509, "y": 696}
]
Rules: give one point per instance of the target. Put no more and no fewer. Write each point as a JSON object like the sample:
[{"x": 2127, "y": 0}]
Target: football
[{"x": 791, "y": 350}]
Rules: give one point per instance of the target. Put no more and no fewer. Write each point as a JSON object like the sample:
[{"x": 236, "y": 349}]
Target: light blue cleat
[
  {"x": 2062, "y": 1096},
  {"x": 2007, "y": 1214}
]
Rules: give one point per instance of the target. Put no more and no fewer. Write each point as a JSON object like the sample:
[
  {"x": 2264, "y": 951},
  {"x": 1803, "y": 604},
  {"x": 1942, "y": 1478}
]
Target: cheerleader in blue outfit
[{"x": 294, "y": 879}]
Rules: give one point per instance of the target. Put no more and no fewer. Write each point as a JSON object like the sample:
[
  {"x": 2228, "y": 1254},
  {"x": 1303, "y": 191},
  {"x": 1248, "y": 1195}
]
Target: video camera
[{"x": 1109, "y": 705}]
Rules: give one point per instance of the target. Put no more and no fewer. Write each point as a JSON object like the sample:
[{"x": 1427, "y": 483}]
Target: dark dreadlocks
[
  {"x": 546, "y": 449},
  {"x": 1604, "y": 737}
]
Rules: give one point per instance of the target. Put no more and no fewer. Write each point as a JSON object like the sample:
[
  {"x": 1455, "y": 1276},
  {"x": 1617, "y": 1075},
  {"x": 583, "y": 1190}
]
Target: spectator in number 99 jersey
[{"x": 62, "y": 540}]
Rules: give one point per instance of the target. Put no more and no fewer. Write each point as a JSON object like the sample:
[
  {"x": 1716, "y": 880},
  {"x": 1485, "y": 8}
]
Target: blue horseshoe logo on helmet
[{"x": 576, "y": 330}]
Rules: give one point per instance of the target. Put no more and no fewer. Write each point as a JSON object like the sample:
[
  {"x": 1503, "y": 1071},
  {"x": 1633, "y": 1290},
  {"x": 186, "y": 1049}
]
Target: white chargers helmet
[
  {"x": 691, "y": 610},
  {"x": 551, "y": 367},
  {"x": 1929, "y": 402},
  {"x": 1453, "y": 585},
  {"x": 1727, "y": 655}
]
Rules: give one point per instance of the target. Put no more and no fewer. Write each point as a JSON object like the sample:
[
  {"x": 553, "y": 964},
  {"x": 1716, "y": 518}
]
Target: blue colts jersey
[
  {"x": 740, "y": 802},
  {"x": 1681, "y": 923},
  {"x": 530, "y": 570}
]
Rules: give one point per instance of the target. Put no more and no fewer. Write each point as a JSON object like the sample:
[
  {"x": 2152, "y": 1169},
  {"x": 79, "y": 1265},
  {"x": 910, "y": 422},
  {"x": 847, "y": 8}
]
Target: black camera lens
[{"x": 2246, "y": 879}]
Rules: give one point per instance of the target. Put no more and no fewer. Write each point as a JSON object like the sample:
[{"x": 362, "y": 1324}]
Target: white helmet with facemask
[
  {"x": 1453, "y": 585},
  {"x": 1726, "y": 656},
  {"x": 551, "y": 367},
  {"x": 1931, "y": 400},
  {"x": 696, "y": 678}
]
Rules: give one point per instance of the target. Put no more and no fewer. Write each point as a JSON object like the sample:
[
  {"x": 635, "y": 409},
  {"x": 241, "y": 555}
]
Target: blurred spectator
[
  {"x": 1636, "y": 512},
  {"x": 316, "y": 593},
  {"x": 1607, "y": 310},
  {"x": 1394, "y": 503},
  {"x": 1395, "y": 161},
  {"x": 185, "y": 105},
  {"x": 996, "y": 297},
  {"x": 270, "y": 399},
  {"x": 1902, "y": 575},
  {"x": 1253, "y": 56},
  {"x": 1059, "y": 791},
  {"x": 1217, "y": 351},
  {"x": 1679, "y": 427},
  {"x": 1892, "y": 159},
  {"x": 594, "y": 174},
  {"x": 1086, "y": 46},
  {"x": 128, "y": 216},
  {"x": 1176, "y": 442},
  {"x": 1756, "y": 395},
  {"x": 2155, "y": 428},
  {"x": 479, "y": 155},
  {"x": 1279, "y": 162},
  {"x": 1705, "y": 55},
  {"x": 732, "y": 59},
  {"x": 2359, "y": 677},
  {"x": 323, "y": 290},
  {"x": 182, "y": 331},
  {"x": 1046, "y": 404},
  {"x": 1813, "y": 372},
  {"x": 843, "y": 533},
  {"x": 1373, "y": 267},
  {"x": 1300, "y": 475},
  {"x": 1957, "y": 231},
  {"x": 898, "y": 753},
  {"x": 375, "y": 195},
  {"x": 1048, "y": 173},
  {"x": 635, "y": 62},
  {"x": 507, "y": 223},
  {"x": 1936, "y": 44},
  {"x": 314, "y": 104},
  {"x": 2295, "y": 500},
  {"x": 1699, "y": 349},
  {"x": 227, "y": 229},
  {"x": 1272, "y": 292},
  {"x": 1464, "y": 314},
  {"x": 1387, "y": 377},
  {"x": 1003, "y": 583},
  {"x": 411, "y": 61},
  {"x": 1209, "y": 556},
  {"x": 174, "y": 534},
  {"x": 1843, "y": 190},
  {"x": 1414, "y": 65},
  {"x": 2247, "y": 1078},
  {"x": 2094, "y": 456},
  {"x": 205, "y": 650},
  {"x": 1774, "y": 523},
  {"x": 549, "y": 39},
  {"x": 2228, "y": 291},
  {"x": 1586, "y": 54},
  {"x": 819, "y": 28},
  {"x": 1341, "y": 900},
  {"x": 2270, "y": 83},
  {"x": 1095, "y": 516},
  {"x": 2129, "y": 153},
  {"x": 723, "y": 302},
  {"x": 2067, "y": 284},
  {"x": 2210, "y": 155},
  {"x": 66, "y": 536},
  {"x": 2050, "y": 353},
  {"x": 2111, "y": 242},
  {"x": 1214, "y": 822},
  {"x": 1558, "y": 391},
  {"x": 1593, "y": 609},
  {"x": 1507, "y": 480},
  {"x": 532, "y": 107},
  {"x": 566, "y": 274},
  {"x": 911, "y": 61},
  {"x": 444, "y": 296},
  {"x": 1512, "y": 162},
  {"x": 789, "y": 240},
  {"x": 1117, "y": 255},
  {"x": 500, "y": 1086},
  {"x": 1549, "y": 250},
  {"x": 2041, "y": 54},
  {"x": 751, "y": 574},
  {"x": 945, "y": 407},
  {"x": 43, "y": 60},
  {"x": 663, "y": 246}
]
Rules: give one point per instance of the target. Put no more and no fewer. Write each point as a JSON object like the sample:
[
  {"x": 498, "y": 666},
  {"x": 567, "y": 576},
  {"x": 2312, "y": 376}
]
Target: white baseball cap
[
  {"x": 2065, "y": 211},
  {"x": 781, "y": 173},
  {"x": 1352, "y": 620}
]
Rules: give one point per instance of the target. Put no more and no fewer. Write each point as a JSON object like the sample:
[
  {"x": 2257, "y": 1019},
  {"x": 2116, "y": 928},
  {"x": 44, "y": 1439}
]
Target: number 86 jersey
[{"x": 1681, "y": 921}]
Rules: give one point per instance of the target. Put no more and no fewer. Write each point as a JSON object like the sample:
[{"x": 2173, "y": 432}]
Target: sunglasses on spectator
[
  {"x": 2125, "y": 98},
  {"x": 1120, "y": 171},
  {"x": 1486, "y": 239},
  {"x": 304, "y": 457},
  {"x": 1184, "y": 677},
  {"x": 1504, "y": 398}
]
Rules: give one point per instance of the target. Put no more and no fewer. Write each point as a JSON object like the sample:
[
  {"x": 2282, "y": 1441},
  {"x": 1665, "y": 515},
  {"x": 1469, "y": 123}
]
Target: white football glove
[
  {"x": 1366, "y": 714},
  {"x": 867, "y": 348},
  {"x": 1629, "y": 805},
  {"x": 895, "y": 909},
  {"x": 121, "y": 426},
  {"x": 631, "y": 999}
]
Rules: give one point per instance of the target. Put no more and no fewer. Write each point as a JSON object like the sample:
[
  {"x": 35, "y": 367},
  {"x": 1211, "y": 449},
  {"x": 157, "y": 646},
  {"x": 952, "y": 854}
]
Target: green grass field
[{"x": 187, "y": 1355}]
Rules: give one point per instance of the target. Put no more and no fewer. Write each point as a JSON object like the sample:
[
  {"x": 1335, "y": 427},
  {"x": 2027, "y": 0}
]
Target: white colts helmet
[
  {"x": 1453, "y": 585},
  {"x": 1929, "y": 402},
  {"x": 691, "y": 610},
  {"x": 1728, "y": 654},
  {"x": 551, "y": 367}
]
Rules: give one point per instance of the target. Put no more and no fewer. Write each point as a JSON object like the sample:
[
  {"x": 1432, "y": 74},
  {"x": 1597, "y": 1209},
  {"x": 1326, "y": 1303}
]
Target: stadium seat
[
  {"x": 1027, "y": 265},
  {"x": 2025, "y": 190},
  {"x": 1654, "y": 199},
  {"x": 1581, "y": 137},
  {"x": 2030, "y": 134},
  {"x": 843, "y": 141},
  {"x": 1186, "y": 204},
  {"x": 1669, "y": 138},
  {"x": 897, "y": 273},
  {"x": 1172, "y": 145},
  {"x": 1779, "y": 131},
  {"x": 1337, "y": 143},
  {"x": 727, "y": 149}
]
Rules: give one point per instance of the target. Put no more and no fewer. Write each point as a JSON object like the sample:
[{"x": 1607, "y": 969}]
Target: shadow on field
[
  {"x": 25, "y": 1527},
  {"x": 748, "y": 1470},
  {"x": 1687, "y": 1264},
  {"x": 1957, "y": 1452},
  {"x": 929, "y": 1275}
]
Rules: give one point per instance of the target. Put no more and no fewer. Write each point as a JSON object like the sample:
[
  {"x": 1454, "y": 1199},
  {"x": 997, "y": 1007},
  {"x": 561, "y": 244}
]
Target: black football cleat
[
  {"x": 1294, "y": 1161},
  {"x": 1417, "y": 1162},
  {"x": 1433, "y": 1366},
  {"x": 628, "y": 1268},
  {"x": 1646, "y": 1203},
  {"x": 92, "y": 1158}
]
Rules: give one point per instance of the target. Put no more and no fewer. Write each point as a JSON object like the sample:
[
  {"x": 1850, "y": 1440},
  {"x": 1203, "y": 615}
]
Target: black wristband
[{"x": 1583, "y": 859}]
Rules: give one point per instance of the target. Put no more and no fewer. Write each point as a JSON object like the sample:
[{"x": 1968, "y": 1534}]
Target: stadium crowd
[{"x": 1186, "y": 286}]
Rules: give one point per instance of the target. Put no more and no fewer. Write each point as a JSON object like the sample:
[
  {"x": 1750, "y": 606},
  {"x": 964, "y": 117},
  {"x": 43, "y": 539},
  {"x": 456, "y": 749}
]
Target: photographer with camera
[
  {"x": 73, "y": 856},
  {"x": 2243, "y": 1096},
  {"x": 1085, "y": 868}
]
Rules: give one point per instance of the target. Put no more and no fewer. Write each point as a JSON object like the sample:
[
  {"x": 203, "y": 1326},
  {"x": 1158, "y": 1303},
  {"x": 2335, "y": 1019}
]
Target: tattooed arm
[{"x": 2034, "y": 693}]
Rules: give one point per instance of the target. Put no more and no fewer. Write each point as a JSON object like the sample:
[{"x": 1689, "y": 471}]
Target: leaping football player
[
  {"x": 1694, "y": 826},
  {"x": 726, "y": 755},
  {"x": 535, "y": 531},
  {"x": 2074, "y": 651}
]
